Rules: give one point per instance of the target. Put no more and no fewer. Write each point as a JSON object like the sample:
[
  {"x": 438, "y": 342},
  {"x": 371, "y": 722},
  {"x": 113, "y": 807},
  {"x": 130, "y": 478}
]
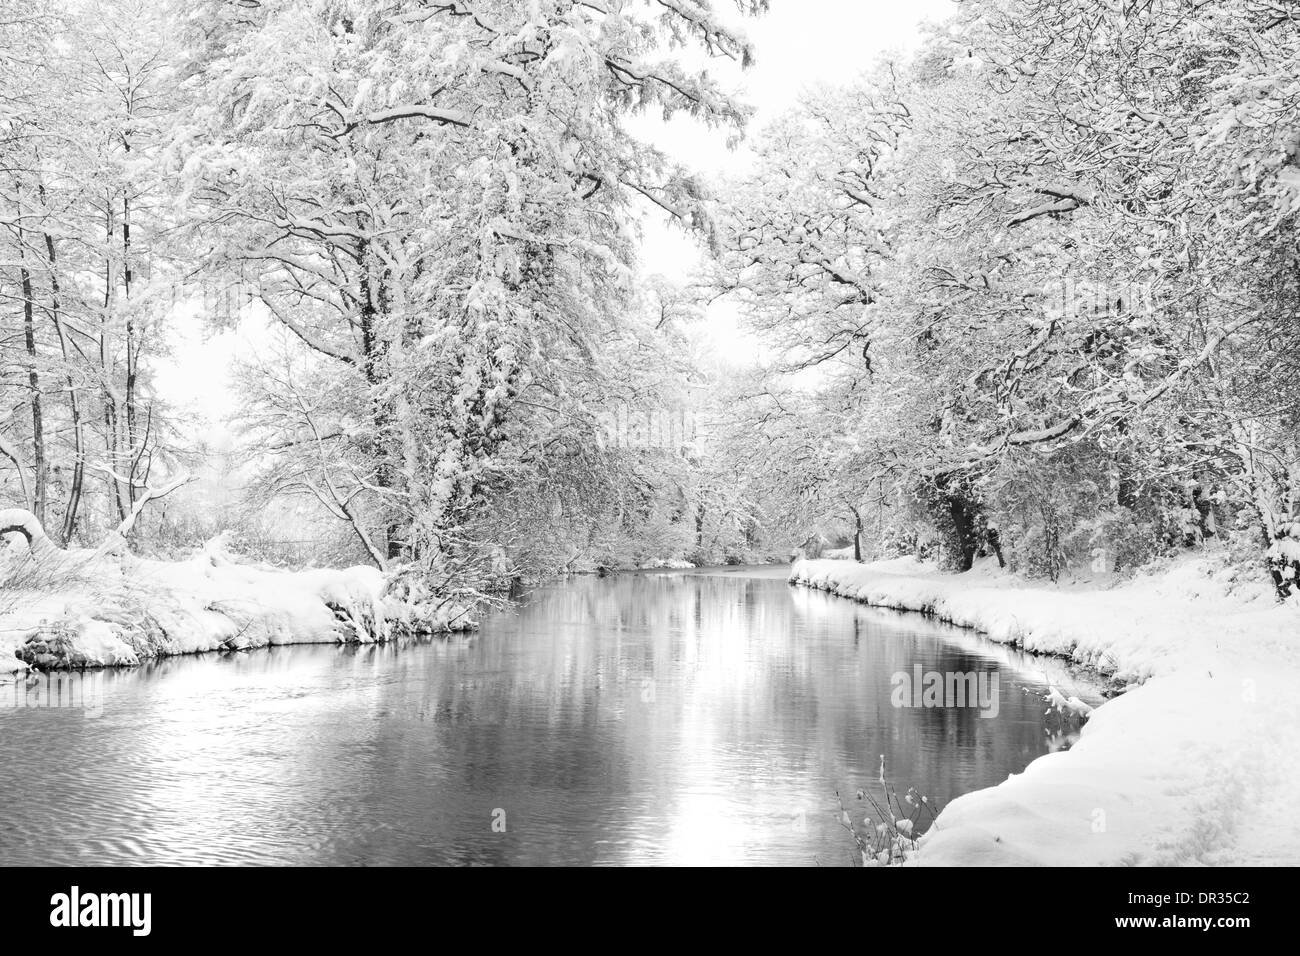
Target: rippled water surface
[{"x": 648, "y": 718}]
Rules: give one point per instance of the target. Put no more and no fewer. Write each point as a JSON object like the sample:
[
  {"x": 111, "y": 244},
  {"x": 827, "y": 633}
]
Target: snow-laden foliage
[
  {"x": 435, "y": 200},
  {"x": 434, "y": 207},
  {"x": 87, "y": 266},
  {"x": 1044, "y": 273},
  {"x": 1029, "y": 292}
]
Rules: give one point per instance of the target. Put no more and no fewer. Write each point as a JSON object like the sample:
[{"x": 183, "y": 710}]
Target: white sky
[{"x": 800, "y": 44}]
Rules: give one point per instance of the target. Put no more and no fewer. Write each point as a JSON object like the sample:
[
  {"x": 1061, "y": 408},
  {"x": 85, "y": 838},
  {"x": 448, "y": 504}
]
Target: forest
[{"x": 1026, "y": 293}]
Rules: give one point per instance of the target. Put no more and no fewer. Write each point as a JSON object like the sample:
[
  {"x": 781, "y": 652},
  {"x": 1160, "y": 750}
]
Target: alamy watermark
[
  {"x": 672, "y": 428},
  {"x": 950, "y": 689},
  {"x": 76, "y": 908},
  {"x": 1074, "y": 297},
  {"x": 83, "y": 691}
]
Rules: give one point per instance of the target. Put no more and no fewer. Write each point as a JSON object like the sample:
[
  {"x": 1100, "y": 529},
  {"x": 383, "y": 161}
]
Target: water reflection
[{"x": 643, "y": 719}]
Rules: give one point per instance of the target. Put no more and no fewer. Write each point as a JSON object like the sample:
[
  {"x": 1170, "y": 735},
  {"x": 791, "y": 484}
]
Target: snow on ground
[
  {"x": 121, "y": 610},
  {"x": 1197, "y": 762}
]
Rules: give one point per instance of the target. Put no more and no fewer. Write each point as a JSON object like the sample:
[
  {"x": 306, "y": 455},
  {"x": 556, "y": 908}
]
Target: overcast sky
[{"x": 800, "y": 44}]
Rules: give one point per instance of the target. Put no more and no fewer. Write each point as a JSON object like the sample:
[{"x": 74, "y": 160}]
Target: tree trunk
[
  {"x": 70, "y": 513},
  {"x": 40, "y": 464},
  {"x": 372, "y": 355},
  {"x": 857, "y": 535},
  {"x": 134, "y": 450},
  {"x": 106, "y": 371},
  {"x": 995, "y": 542},
  {"x": 963, "y": 521}
]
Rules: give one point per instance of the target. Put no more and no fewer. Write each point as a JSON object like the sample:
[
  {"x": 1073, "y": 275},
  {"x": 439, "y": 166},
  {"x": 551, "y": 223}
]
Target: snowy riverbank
[
  {"x": 76, "y": 610},
  {"x": 1197, "y": 762}
]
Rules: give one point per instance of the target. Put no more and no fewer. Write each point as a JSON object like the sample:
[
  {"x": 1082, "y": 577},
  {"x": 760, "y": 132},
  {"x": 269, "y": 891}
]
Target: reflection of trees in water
[
  {"x": 637, "y": 718},
  {"x": 598, "y": 701}
]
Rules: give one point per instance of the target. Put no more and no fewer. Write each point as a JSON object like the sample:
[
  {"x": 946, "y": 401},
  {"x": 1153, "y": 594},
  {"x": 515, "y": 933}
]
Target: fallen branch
[{"x": 21, "y": 521}]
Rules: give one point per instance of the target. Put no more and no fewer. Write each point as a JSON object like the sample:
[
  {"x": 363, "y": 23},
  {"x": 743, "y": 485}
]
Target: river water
[{"x": 656, "y": 718}]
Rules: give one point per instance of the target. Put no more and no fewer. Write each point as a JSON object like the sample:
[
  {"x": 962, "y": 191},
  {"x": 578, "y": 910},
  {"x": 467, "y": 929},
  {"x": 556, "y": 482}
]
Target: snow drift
[
  {"x": 106, "y": 608},
  {"x": 1197, "y": 762}
]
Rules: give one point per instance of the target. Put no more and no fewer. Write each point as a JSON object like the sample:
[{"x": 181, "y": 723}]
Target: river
[{"x": 654, "y": 718}]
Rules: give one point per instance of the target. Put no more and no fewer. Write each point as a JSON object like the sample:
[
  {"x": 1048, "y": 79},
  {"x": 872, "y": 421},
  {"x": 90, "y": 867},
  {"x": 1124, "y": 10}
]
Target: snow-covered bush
[
  {"x": 111, "y": 608},
  {"x": 1068, "y": 509},
  {"x": 1283, "y": 560},
  {"x": 889, "y": 826}
]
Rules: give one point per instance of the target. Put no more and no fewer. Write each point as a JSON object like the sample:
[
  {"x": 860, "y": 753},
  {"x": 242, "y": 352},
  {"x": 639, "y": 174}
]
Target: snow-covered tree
[
  {"x": 437, "y": 200},
  {"x": 1058, "y": 242},
  {"x": 88, "y": 101}
]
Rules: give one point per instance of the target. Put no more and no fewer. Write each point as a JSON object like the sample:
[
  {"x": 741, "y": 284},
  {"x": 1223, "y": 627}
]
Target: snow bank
[
  {"x": 1197, "y": 765},
  {"x": 121, "y": 610}
]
